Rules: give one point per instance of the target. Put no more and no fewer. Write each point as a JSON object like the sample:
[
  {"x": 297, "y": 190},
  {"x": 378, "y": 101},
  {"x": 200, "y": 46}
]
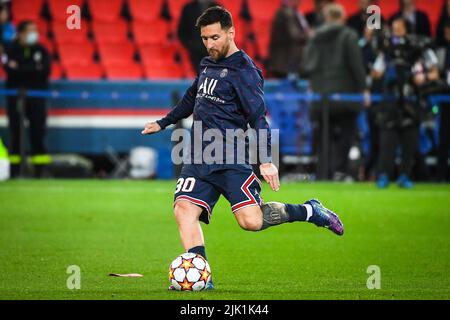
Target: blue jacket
[{"x": 226, "y": 94}]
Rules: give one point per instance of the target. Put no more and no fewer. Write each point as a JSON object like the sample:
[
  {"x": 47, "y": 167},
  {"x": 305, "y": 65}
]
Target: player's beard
[{"x": 219, "y": 55}]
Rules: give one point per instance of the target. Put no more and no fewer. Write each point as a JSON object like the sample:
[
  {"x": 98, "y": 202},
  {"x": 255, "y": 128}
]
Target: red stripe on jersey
[
  {"x": 195, "y": 201},
  {"x": 245, "y": 188}
]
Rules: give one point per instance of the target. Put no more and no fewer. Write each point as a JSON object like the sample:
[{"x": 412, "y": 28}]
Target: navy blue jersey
[{"x": 226, "y": 94}]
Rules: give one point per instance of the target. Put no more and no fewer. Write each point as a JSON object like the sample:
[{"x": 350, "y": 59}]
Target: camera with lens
[{"x": 404, "y": 57}]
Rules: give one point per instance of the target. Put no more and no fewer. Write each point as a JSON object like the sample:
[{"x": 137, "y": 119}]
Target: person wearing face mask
[{"x": 27, "y": 65}]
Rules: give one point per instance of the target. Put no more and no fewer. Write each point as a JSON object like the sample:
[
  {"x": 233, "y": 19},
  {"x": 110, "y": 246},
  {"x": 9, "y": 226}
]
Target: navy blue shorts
[{"x": 203, "y": 185}]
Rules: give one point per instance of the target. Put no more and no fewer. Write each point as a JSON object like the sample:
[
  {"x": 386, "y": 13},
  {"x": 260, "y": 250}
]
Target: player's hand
[
  {"x": 151, "y": 127},
  {"x": 270, "y": 174}
]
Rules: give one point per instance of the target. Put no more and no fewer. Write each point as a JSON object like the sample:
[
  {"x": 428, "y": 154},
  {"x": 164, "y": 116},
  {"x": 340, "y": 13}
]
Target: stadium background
[
  {"x": 108, "y": 80},
  {"x": 114, "y": 53}
]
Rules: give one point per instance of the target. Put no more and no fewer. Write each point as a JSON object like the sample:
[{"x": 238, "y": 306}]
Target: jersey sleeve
[
  {"x": 249, "y": 88},
  {"x": 183, "y": 109}
]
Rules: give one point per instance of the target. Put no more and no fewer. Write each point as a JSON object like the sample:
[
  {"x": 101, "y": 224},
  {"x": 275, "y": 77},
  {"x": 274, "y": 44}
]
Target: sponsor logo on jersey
[
  {"x": 206, "y": 90},
  {"x": 208, "y": 86}
]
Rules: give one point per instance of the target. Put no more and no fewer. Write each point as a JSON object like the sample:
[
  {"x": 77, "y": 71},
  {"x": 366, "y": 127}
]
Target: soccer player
[{"x": 228, "y": 94}]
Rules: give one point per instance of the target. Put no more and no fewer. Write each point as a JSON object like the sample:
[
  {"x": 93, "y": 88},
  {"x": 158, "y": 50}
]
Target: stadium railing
[{"x": 90, "y": 118}]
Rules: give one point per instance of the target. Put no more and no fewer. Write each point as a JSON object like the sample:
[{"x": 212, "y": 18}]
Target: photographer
[
  {"x": 443, "y": 53},
  {"x": 406, "y": 65}
]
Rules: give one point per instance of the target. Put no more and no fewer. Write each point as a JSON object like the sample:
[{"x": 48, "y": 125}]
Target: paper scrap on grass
[{"x": 127, "y": 275}]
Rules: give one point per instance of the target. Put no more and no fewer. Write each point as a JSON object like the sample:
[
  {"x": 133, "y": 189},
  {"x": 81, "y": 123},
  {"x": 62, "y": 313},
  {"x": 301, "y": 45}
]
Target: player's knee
[
  {"x": 184, "y": 212},
  {"x": 250, "y": 226},
  {"x": 249, "y": 222}
]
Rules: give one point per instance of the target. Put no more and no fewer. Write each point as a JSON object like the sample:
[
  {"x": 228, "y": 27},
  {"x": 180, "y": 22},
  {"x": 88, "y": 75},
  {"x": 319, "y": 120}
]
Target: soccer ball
[{"x": 189, "y": 272}]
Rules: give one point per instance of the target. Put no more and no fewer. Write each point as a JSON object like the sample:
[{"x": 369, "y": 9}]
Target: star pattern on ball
[
  {"x": 186, "y": 285},
  {"x": 171, "y": 274},
  {"x": 187, "y": 264},
  {"x": 205, "y": 275}
]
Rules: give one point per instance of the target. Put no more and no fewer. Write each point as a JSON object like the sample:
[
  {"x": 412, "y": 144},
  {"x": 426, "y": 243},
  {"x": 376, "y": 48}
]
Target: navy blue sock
[
  {"x": 201, "y": 251},
  {"x": 198, "y": 250},
  {"x": 296, "y": 212}
]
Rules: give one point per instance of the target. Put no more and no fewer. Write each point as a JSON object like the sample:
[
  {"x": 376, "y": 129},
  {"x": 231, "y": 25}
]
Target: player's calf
[
  {"x": 187, "y": 217},
  {"x": 275, "y": 213}
]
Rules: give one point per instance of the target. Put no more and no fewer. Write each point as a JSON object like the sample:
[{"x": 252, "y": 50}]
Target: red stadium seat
[
  {"x": 263, "y": 45},
  {"x": 110, "y": 32},
  {"x": 156, "y": 32},
  {"x": 251, "y": 49},
  {"x": 157, "y": 71},
  {"x": 240, "y": 31},
  {"x": 188, "y": 70},
  {"x": 158, "y": 54},
  {"x": 91, "y": 71},
  {"x": 145, "y": 10},
  {"x": 234, "y": 6},
  {"x": 351, "y": 6},
  {"x": 388, "y": 8},
  {"x": 130, "y": 71},
  {"x": 57, "y": 71},
  {"x": 306, "y": 6},
  {"x": 263, "y": 9},
  {"x": 76, "y": 53},
  {"x": 105, "y": 10},
  {"x": 58, "y": 8},
  {"x": 433, "y": 12},
  {"x": 48, "y": 44},
  {"x": 263, "y": 30},
  {"x": 114, "y": 54},
  {"x": 42, "y": 26},
  {"x": 2, "y": 73},
  {"x": 176, "y": 7},
  {"x": 64, "y": 35},
  {"x": 26, "y": 9}
]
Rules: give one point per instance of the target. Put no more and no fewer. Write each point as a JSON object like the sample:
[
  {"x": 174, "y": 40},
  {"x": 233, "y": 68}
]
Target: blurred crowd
[{"x": 399, "y": 60}]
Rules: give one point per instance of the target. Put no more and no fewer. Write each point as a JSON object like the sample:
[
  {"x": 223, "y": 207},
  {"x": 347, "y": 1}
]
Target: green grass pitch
[{"x": 128, "y": 227}]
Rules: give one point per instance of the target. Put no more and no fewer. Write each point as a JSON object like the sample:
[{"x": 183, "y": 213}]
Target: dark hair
[
  {"x": 213, "y": 15},
  {"x": 405, "y": 22},
  {"x": 447, "y": 23},
  {"x": 22, "y": 26}
]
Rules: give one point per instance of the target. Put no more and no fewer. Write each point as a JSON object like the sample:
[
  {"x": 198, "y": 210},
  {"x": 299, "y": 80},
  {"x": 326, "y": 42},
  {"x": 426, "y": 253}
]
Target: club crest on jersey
[
  {"x": 224, "y": 73},
  {"x": 208, "y": 86}
]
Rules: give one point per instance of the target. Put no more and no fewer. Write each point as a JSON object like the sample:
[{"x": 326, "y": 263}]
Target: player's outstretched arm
[
  {"x": 151, "y": 127},
  {"x": 183, "y": 109},
  {"x": 270, "y": 173}
]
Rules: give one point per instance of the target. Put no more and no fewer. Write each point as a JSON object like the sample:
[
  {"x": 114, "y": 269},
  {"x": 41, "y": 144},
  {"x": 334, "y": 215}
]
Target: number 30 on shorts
[{"x": 185, "y": 185}]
